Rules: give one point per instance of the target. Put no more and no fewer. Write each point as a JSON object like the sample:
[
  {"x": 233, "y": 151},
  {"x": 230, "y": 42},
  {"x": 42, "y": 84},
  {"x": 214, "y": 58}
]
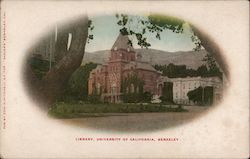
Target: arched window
[
  {"x": 132, "y": 88},
  {"x": 98, "y": 88},
  {"x": 113, "y": 88},
  {"x": 137, "y": 89}
]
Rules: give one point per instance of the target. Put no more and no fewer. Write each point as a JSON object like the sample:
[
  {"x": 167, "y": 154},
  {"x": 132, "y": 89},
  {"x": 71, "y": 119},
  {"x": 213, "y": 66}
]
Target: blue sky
[{"x": 106, "y": 31}]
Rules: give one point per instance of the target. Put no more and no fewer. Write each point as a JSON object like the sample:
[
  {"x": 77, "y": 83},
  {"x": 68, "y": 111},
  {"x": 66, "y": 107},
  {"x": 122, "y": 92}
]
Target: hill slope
[{"x": 192, "y": 59}]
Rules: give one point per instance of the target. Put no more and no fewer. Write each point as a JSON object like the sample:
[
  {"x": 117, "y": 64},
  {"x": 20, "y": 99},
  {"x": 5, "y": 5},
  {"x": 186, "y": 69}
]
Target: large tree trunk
[{"x": 53, "y": 84}]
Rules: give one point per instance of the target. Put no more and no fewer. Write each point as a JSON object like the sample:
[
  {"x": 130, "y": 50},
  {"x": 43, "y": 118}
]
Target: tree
[
  {"x": 156, "y": 23},
  {"x": 201, "y": 96},
  {"x": 191, "y": 72},
  {"x": 202, "y": 70},
  {"x": 146, "y": 97},
  {"x": 167, "y": 92},
  {"x": 213, "y": 69},
  {"x": 132, "y": 89},
  {"x": 174, "y": 71},
  {"x": 77, "y": 87},
  {"x": 195, "y": 95},
  {"x": 52, "y": 85},
  {"x": 210, "y": 62},
  {"x": 212, "y": 48},
  {"x": 153, "y": 23}
]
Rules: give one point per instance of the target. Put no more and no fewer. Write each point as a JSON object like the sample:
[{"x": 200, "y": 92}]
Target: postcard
[{"x": 124, "y": 79}]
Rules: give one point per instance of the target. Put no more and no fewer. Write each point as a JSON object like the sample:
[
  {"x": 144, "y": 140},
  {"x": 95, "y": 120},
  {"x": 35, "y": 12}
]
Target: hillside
[{"x": 192, "y": 59}]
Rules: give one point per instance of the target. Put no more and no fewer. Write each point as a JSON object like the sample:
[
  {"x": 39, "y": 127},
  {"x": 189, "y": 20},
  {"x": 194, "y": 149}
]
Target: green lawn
[{"x": 77, "y": 110}]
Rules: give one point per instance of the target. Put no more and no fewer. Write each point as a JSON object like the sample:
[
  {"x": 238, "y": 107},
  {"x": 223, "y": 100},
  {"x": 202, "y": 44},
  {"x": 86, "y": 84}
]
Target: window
[
  {"x": 132, "y": 88},
  {"x": 113, "y": 89},
  {"x": 127, "y": 90},
  {"x": 137, "y": 89},
  {"x": 98, "y": 88}
]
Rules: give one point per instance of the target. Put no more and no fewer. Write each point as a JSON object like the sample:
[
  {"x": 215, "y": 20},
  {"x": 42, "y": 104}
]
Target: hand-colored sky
[{"x": 106, "y": 30}]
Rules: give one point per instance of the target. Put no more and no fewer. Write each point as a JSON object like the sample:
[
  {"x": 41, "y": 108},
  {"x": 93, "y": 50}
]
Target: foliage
[
  {"x": 132, "y": 89},
  {"x": 174, "y": 71},
  {"x": 210, "y": 61},
  {"x": 76, "y": 110},
  {"x": 213, "y": 69},
  {"x": 77, "y": 87},
  {"x": 39, "y": 67},
  {"x": 154, "y": 24},
  {"x": 94, "y": 98},
  {"x": 167, "y": 22},
  {"x": 202, "y": 96},
  {"x": 180, "y": 71},
  {"x": 202, "y": 70},
  {"x": 131, "y": 97},
  {"x": 167, "y": 92},
  {"x": 197, "y": 42},
  {"x": 146, "y": 97},
  {"x": 134, "y": 80},
  {"x": 90, "y": 28},
  {"x": 125, "y": 22},
  {"x": 139, "y": 26},
  {"x": 195, "y": 95}
]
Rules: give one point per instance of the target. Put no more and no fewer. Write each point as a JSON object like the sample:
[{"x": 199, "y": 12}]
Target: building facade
[
  {"x": 106, "y": 80},
  {"x": 181, "y": 87}
]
